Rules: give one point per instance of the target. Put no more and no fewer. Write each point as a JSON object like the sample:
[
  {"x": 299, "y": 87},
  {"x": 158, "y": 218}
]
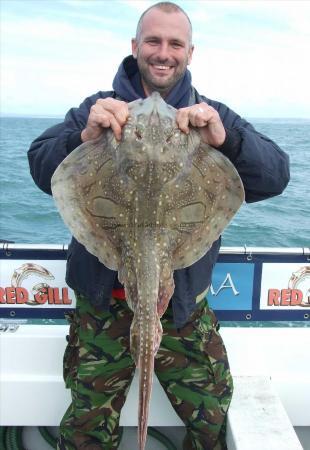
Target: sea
[{"x": 28, "y": 215}]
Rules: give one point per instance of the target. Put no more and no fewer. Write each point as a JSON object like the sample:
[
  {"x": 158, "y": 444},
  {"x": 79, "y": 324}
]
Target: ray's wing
[
  {"x": 206, "y": 201},
  {"x": 86, "y": 190}
]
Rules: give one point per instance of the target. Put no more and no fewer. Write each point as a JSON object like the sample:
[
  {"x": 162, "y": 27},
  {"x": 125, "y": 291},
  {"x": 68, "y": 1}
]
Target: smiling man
[
  {"x": 163, "y": 49},
  {"x": 191, "y": 363}
]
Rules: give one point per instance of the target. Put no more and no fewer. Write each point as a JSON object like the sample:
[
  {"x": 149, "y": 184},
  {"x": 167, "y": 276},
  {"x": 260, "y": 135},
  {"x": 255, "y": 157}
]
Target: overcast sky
[{"x": 251, "y": 55}]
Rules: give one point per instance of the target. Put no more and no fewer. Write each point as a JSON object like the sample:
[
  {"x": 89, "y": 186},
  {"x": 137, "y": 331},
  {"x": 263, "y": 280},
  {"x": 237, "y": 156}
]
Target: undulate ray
[{"x": 145, "y": 206}]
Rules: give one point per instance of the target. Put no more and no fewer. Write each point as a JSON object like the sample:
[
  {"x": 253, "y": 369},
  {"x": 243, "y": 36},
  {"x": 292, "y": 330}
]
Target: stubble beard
[{"x": 152, "y": 84}]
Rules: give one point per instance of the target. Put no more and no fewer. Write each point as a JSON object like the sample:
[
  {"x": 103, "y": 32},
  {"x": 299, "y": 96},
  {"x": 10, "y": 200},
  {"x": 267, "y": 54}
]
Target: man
[{"x": 191, "y": 363}]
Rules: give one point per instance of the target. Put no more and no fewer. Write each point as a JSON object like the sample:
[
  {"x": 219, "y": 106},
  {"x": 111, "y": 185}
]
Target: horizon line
[{"x": 58, "y": 116}]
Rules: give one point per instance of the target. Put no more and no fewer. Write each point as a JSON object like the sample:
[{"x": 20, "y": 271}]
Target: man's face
[{"x": 163, "y": 50}]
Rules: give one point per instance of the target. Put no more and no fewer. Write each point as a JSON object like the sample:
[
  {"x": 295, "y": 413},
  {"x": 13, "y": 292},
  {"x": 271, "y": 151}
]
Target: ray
[{"x": 145, "y": 206}]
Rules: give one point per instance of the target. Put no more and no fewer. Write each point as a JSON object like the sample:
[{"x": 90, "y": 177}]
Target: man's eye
[{"x": 176, "y": 45}]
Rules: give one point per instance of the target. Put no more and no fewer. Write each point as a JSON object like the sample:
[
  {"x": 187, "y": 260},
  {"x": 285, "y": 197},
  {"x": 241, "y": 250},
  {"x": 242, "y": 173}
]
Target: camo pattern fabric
[{"x": 191, "y": 365}]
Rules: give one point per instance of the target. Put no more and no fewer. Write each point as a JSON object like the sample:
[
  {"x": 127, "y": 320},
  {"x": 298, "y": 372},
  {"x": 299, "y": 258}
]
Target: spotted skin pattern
[{"x": 145, "y": 206}]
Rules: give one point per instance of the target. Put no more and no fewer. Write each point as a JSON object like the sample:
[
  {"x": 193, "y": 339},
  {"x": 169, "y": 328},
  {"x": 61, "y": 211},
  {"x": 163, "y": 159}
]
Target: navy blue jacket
[{"x": 262, "y": 166}]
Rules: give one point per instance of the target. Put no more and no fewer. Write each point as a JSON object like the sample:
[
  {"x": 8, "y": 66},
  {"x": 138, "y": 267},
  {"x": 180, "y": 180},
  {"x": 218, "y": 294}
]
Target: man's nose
[{"x": 163, "y": 51}]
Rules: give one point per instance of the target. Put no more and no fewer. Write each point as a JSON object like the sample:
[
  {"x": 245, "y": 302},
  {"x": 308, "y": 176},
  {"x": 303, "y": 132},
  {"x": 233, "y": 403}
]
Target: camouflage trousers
[{"x": 191, "y": 365}]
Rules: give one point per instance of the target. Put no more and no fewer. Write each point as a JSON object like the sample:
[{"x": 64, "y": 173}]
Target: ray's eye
[
  {"x": 169, "y": 138},
  {"x": 171, "y": 133},
  {"x": 138, "y": 134}
]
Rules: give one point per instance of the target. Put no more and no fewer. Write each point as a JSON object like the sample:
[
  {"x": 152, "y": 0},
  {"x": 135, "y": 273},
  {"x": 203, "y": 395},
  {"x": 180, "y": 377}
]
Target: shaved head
[{"x": 167, "y": 7}]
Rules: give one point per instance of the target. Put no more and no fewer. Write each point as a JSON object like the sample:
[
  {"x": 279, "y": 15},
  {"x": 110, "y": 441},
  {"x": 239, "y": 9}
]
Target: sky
[{"x": 251, "y": 55}]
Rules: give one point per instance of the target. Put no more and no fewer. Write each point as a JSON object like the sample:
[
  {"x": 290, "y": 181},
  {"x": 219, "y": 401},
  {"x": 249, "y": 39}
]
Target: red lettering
[
  {"x": 50, "y": 296},
  {"x": 296, "y": 297},
  {"x": 285, "y": 297},
  {"x": 21, "y": 295},
  {"x": 2, "y": 295},
  {"x": 57, "y": 299},
  {"x": 65, "y": 297},
  {"x": 10, "y": 295},
  {"x": 273, "y": 297}
]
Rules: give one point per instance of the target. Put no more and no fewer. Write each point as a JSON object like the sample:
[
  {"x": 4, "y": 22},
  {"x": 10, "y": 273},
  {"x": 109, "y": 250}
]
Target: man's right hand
[{"x": 105, "y": 113}]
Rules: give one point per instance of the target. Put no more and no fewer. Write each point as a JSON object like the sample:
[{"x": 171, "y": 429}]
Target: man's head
[{"x": 163, "y": 46}]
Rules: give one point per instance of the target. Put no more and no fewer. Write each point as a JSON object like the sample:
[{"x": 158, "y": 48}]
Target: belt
[{"x": 119, "y": 294}]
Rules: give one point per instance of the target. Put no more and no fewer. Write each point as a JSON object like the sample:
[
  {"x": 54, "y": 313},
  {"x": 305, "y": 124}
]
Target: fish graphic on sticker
[
  {"x": 30, "y": 269},
  {"x": 298, "y": 281}
]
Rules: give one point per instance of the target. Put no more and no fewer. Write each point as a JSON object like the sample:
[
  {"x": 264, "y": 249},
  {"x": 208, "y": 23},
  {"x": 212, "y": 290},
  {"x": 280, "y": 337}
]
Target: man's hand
[
  {"x": 105, "y": 113},
  {"x": 206, "y": 119}
]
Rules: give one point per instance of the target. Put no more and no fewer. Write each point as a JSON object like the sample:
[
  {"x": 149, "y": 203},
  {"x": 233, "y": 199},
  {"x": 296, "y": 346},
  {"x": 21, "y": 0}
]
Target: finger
[
  {"x": 107, "y": 120},
  {"x": 99, "y": 116},
  {"x": 199, "y": 117},
  {"x": 182, "y": 119},
  {"x": 208, "y": 113},
  {"x": 120, "y": 111},
  {"x": 116, "y": 128},
  {"x": 116, "y": 107},
  {"x": 121, "y": 115},
  {"x": 102, "y": 117}
]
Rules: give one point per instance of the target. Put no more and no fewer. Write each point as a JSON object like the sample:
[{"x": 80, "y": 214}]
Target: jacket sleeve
[
  {"x": 261, "y": 164},
  {"x": 50, "y": 149}
]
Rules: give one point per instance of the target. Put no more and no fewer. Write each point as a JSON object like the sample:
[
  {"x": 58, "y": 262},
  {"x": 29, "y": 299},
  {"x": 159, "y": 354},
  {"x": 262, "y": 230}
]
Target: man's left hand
[{"x": 206, "y": 119}]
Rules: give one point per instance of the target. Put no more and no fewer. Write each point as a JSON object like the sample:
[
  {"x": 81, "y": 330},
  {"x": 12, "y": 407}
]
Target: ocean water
[{"x": 27, "y": 215}]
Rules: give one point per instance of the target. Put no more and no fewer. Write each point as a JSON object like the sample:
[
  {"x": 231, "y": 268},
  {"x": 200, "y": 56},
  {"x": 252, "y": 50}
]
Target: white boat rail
[{"x": 243, "y": 250}]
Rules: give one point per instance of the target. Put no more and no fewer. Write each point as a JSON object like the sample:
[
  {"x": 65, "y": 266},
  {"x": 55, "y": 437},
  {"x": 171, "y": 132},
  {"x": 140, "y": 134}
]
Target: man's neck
[{"x": 148, "y": 90}]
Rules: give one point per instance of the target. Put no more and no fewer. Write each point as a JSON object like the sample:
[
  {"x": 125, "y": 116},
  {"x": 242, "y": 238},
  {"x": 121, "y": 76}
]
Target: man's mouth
[{"x": 161, "y": 67}]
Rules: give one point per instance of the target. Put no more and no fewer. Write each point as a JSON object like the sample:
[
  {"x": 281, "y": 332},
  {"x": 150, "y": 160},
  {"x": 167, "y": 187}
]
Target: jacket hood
[{"x": 127, "y": 85}]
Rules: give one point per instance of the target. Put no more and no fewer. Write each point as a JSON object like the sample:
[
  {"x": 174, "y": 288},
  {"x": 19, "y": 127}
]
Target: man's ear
[
  {"x": 134, "y": 47},
  {"x": 190, "y": 55}
]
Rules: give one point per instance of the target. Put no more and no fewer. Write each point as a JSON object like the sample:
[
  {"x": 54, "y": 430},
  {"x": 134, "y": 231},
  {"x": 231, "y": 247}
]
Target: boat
[{"x": 261, "y": 297}]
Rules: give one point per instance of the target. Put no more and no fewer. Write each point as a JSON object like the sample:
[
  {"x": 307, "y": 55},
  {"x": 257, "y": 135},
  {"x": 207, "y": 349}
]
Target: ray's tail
[
  {"x": 146, "y": 370},
  {"x": 146, "y": 332}
]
